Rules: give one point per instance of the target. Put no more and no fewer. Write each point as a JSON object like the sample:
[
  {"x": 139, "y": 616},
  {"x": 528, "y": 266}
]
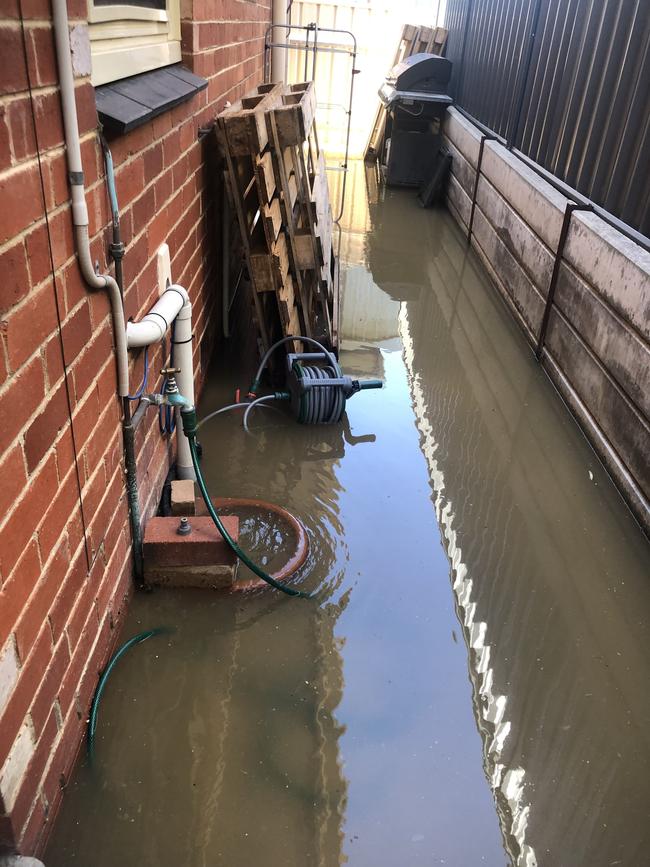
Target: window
[{"x": 132, "y": 36}]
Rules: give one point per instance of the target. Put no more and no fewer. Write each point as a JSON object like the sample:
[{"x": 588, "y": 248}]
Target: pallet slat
[{"x": 277, "y": 175}]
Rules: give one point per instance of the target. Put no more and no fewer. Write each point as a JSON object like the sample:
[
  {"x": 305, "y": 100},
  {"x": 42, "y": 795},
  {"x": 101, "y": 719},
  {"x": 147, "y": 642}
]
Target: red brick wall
[{"x": 65, "y": 556}]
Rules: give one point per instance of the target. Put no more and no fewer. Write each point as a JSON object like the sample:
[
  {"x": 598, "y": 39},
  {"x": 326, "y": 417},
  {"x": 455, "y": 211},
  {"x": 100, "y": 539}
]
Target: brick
[
  {"x": 38, "y": 254},
  {"x": 129, "y": 180},
  {"x": 87, "y": 366},
  {"x": 5, "y": 139},
  {"x": 22, "y": 203},
  {"x": 44, "y": 429},
  {"x": 33, "y": 773},
  {"x": 68, "y": 592},
  {"x": 49, "y": 121},
  {"x": 163, "y": 189},
  {"x": 58, "y": 514},
  {"x": 47, "y": 692},
  {"x": 32, "y": 9},
  {"x": 183, "y": 497},
  {"x": 65, "y": 454},
  {"x": 93, "y": 490},
  {"x": 9, "y": 669},
  {"x": 41, "y": 57},
  {"x": 14, "y": 478},
  {"x": 61, "y": 237},
  {"x": 15, "y": 591},
  {"x": 56, "y": 181},
  {"x": 14, "y": 285},
  {"x": 80, "y": 642},
  {"x": 21, "y": 128},
  {"x": 153, "y": 162},
  {"x": 86, "y": 107},
  {"x": 106, "y": 432},
  {"x": 14, "y": 68},
  {"x": 163, "y": 545},
  {"x": 85, "y": 418},
  {"x": 20, "y": 399},
  {"x": 40, "y": 602},
  {"x": 63, "y": 756},
  {"x": 76, "y": 332},
  {"x": 53, "y": 360},
  {"x": 106, "y": 384},
  {"x": 21, "y": 698},
  {"x": 75, "y": 288},
  {"x": 9, "y": 9},
  {"x": 27, "y": 326},
  {"x": 26, "y": 515},
  {"x": 100, "y": 520},
  {"x": 113, "y": 596},
  {"x": 15, "y": 762}
]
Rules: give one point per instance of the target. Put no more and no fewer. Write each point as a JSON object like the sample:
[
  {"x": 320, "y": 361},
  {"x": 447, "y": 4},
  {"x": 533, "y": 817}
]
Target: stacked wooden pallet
[
  {"x": 413, "y": 40},
  {"x": 278, "y": 188}
]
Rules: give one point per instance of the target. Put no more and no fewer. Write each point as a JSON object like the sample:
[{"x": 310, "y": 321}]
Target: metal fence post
[{"x": 559, "y": 253}]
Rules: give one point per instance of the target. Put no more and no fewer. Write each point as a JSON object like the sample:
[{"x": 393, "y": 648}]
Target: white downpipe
[
  {"x": 153, "y": 327},
  {"x": 78, "y": 194},
  {"x": 279, "y": 55},
  {"x": 183, "y": 359}
]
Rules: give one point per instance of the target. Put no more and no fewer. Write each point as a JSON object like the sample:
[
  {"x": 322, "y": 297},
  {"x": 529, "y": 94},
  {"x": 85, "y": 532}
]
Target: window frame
[{"x": 127, "y": 40}]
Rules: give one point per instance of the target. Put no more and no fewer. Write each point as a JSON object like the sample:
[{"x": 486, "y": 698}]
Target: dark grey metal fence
[{"x": 567, "y": 83}]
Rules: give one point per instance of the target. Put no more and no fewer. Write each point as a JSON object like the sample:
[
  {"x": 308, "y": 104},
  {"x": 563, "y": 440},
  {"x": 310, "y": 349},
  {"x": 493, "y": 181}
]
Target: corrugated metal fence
[{"x": 567, "y": 83}]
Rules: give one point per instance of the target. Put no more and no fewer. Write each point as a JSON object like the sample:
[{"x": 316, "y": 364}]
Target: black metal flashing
[{"x": 126, "y": 104}]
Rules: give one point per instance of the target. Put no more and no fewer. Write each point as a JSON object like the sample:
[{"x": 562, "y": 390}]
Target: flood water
[{"x": 472, "y": 689}]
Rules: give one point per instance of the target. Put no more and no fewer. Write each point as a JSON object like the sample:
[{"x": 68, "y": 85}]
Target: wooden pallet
[
  {"x": 279, "y": 190},
  {"x": 413, "y": 40}
]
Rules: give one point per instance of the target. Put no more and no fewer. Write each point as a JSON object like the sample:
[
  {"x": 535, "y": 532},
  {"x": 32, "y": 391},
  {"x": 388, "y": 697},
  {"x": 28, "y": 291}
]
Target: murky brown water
[{"x": 474, "y": 688}]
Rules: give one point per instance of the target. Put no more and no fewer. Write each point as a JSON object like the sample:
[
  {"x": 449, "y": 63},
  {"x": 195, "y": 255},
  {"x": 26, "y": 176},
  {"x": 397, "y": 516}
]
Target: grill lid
[{"x": 424, "y": 73}]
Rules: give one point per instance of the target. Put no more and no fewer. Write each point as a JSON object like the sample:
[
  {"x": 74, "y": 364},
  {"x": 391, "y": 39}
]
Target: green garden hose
[
  {"x": 189, "y": 429},
  {"x": 94, "y": 707}
]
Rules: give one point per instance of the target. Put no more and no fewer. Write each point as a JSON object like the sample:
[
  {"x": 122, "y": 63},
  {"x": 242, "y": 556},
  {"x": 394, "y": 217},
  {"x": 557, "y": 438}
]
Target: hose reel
[{"x": 319, "y": 389}]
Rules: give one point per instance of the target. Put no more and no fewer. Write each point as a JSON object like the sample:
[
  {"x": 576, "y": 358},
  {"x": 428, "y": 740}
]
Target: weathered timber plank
[
  {"x": 294, "y": 118},
  {"x": 243, "y": 124}
]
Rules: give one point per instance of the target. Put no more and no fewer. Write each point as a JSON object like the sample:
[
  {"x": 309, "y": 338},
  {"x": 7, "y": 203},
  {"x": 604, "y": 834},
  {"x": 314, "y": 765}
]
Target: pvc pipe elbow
[{"x": 153, "y": 327}]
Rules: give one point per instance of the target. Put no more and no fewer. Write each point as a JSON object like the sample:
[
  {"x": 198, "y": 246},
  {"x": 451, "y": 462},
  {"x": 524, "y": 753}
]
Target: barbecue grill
[{"x": 415, "y": 97}]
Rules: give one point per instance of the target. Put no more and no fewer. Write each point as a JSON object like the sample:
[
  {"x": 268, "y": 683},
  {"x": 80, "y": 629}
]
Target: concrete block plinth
[
  {"x": 200, "y": 558},
  {"x": 182, "y": 497}
]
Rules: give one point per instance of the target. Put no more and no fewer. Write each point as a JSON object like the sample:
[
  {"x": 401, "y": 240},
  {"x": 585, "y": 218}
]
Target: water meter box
[{"x": 414, "y": 95}]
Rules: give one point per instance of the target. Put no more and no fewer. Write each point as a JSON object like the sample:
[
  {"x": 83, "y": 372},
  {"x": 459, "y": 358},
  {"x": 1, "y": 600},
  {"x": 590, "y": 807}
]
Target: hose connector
[{"x": 188, "y": 417}]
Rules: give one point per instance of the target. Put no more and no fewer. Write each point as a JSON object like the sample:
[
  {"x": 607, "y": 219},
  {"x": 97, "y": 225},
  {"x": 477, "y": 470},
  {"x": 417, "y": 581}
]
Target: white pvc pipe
[
  {"x": 279, "y": 55},
  {"x": 184, "y": 359},
  {"x": 78, "y": 194},
  {"x": 172, "y": 306},
  {"x": 153, "y": 327}
]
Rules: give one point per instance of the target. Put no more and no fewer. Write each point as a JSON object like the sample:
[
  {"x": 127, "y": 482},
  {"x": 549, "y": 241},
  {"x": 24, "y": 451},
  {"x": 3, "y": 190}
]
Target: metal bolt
[{"x": 184, "y": 528}]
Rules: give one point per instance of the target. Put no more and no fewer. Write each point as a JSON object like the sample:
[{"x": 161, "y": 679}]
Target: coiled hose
[
  {"x": 320, "y": 405},
  {"x": 189, "y": 429}
]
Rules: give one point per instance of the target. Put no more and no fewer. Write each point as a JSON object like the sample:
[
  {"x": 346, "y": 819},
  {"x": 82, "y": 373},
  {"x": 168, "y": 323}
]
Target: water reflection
[{"x": 548, "y": 571}]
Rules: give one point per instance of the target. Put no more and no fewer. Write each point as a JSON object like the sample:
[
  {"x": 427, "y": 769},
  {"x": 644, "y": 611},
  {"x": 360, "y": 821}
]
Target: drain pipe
[
  {"x": 278, "y": 52},
  {"x": 78, "y": 194},
  {"x": 129, "y": 422},
  {"x": 172, "y": 306}
]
